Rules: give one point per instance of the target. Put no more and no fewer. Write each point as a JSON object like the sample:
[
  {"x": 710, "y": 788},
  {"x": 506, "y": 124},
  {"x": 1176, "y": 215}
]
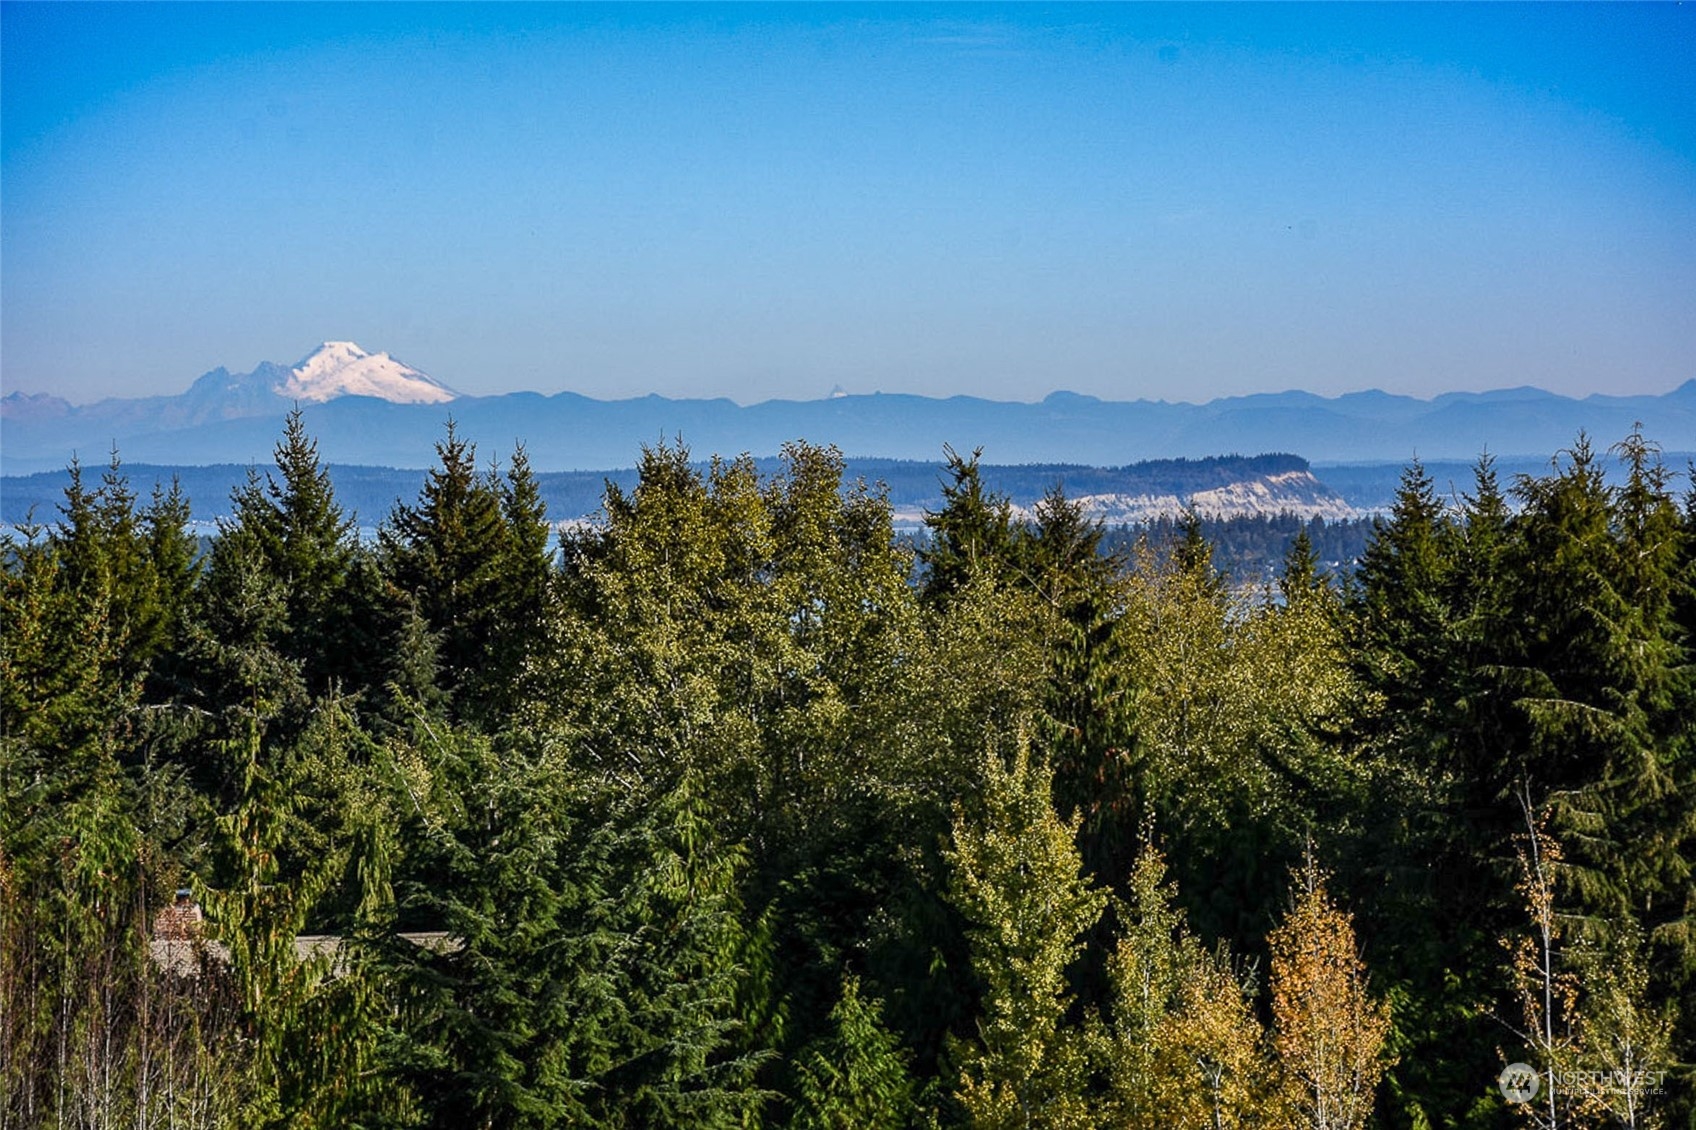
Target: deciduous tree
[
  {"x": 1017, "y": 879},
  {"x": 1328, "y": 1031}
]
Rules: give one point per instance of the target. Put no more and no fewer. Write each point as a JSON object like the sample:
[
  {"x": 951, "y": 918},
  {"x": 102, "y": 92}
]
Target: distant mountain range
[{"x": 371, "y": 409}]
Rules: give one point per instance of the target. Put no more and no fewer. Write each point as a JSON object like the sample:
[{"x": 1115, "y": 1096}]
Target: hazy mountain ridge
[{"x": 226, "y": 417}]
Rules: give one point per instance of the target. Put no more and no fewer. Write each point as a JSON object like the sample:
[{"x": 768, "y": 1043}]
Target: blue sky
[{"x": 763, "y": 201}]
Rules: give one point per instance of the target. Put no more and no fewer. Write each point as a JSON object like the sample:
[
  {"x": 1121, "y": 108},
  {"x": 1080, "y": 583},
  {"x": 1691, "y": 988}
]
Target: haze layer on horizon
[{"x": 768, "y": 201}]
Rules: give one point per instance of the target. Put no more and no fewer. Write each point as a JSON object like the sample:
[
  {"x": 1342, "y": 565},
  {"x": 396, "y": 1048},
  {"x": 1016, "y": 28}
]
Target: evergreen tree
[
  {"x": 1400, "y": 609},
  {"x": 68, "y": 680},
  {"x": 303, "y": 541},
  {"x": 855, "y": 1078},
  {"x": 1192, "y": 553},
  {"x": 1604, "y": 683},
  {"x": 1300, "y": 577},
  {"x": 71, "y": 856},
  {"x": 1605, "y": 695},
  {"x": 173, "y": 557},
  {"x": 972, "y": 534},
  {"x": 1428, "y": 646},
  {"x": 596, "y": 972},
  {"x": 761, "y": 634},
  {"x": 1468, "y": 767},
  {"x": 370, "y": 622},
  {"x": 1684, "y": 591},
  {"x": 301, "y": 824},
  {"x": 256, "y": 915},
  {"x": 102, "y": 554},
  {"x": 1650, "y": 795},
  {"x": 243, "y": 678},
  {"x": 1088, "y": 704},
  {"x": 526, "y": 570},
  {"x": 451, "y": 553},
  {"x": 412, "y": 689}
]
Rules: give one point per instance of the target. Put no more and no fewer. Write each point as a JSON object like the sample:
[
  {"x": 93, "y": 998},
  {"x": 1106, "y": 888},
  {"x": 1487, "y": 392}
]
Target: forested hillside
[{"x": 734, "y": 814}]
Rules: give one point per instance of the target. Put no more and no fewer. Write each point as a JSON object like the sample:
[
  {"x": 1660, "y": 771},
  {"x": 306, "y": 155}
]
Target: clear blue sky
[{"x": 1170, "y": 202}]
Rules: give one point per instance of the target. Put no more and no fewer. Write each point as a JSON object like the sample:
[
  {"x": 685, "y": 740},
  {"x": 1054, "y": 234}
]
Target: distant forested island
[{"x": 370, "y": 493}]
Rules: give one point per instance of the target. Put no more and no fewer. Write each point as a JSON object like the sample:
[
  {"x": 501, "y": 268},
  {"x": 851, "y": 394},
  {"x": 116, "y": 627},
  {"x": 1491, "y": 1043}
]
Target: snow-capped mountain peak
[{"x": 341, "y": 368}]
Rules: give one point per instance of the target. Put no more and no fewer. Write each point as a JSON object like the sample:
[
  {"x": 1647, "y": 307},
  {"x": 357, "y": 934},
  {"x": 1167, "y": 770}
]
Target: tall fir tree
[
  {"x": 526, "y": 571},
  {"x": 450, "y": 553},
  {"x": 1300, "y": 578},
  {"x": 1192, "y": 553},
  {"x": 1427, "y": 643},
  {"x": 103, "y": 552},
  {"x": 174, "y": 557},
  {"x": 972, "y": 535},
  {"x": 1089, "y": 703},
  {"x": 304, "y": 542},
  {"x": 1605, "y": 685}
]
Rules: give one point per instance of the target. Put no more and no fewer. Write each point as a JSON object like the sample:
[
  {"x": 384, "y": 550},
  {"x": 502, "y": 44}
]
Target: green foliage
[
  {"x": 304, "y": 829},
  {"x": 472, "y": 556},
  {"x": 90, "y": 1034},
  {"x": 597, "y": 966},
  {"x": 1541, "y": 646},
  {"x": 1017, "y": 881},
  {"x": 1193, "y": 554},
  {"x": 243, "y": 682},
  {"x": 445, "y": 552},
  {"x": 1253, "y": 547},
  {"x": 1624, "y": 1039},
  {"x": 1088, "y": 704},
  {"x": 1238, "y": 702},
  {"x": 1606, "y": 694},
  {"x": 856, "y": 1077},
  {"x": 1300, "y": 577}
]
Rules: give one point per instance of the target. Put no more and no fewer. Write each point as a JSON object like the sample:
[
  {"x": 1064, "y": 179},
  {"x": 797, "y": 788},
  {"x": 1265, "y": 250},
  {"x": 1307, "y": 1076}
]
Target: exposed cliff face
[
  {"x": 1223, "y": 487},
  {"x": 1294, "y": 492}
]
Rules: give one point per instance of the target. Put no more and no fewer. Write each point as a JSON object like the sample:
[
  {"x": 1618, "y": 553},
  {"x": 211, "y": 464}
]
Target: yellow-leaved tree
[
  {"x": 1182, "y": 1047},
  {"x": 1328, "y": 1032}
]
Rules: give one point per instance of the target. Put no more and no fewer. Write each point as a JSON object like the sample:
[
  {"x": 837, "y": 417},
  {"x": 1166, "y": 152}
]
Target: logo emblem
[{"x": 1519, "y": 1082}]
